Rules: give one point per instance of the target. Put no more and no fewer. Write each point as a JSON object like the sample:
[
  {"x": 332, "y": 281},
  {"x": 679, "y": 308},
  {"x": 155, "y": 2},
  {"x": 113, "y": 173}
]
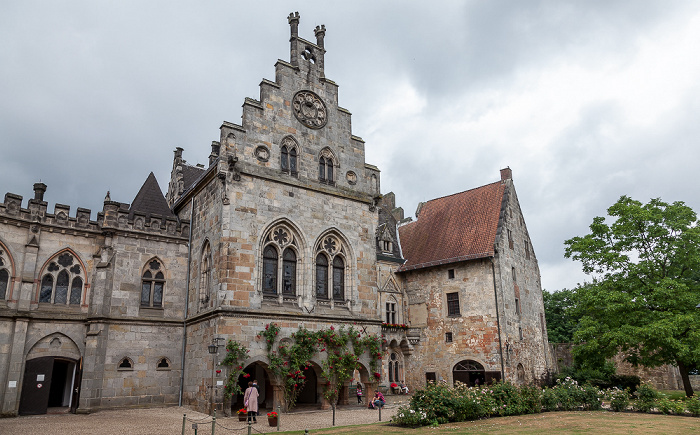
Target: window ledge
[{"x": 152, "y": 311}]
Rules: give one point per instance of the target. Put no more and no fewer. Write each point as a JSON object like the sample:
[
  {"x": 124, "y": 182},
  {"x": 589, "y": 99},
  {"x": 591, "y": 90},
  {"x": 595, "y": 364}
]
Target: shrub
[
  {"x": 591, "y": 397},
  {"x": 507, "y": 398},
  {"x": 550, "y": 401},
  {"x": 670, "y": 406},
  {"x": 619, "y": 399},
  {"x": 692, "y": 404},
  {"x": 646, "y": 397},
  {"x": 531, "y": 399}
]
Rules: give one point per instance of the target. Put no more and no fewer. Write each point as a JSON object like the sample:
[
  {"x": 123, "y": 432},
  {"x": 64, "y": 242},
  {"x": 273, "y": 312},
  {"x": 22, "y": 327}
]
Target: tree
[
  {"x": 642, "y": 299},
  {"x": 559, "y": 311}
]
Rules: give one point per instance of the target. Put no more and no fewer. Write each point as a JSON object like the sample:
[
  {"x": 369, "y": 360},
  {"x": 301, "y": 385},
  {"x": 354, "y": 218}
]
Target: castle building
[{"x": 286, "y": 224}]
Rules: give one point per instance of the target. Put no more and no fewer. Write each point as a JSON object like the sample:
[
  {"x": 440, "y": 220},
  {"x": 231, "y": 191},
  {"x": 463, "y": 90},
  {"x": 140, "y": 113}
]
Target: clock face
[{"x": 309, "y": 109}]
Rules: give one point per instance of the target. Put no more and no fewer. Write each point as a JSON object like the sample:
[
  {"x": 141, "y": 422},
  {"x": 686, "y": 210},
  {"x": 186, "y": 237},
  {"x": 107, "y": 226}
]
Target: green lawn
[{"x": 548, "y": 422}]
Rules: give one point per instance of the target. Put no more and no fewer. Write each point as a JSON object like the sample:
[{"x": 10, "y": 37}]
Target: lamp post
[{"x": 214, "y": 351}]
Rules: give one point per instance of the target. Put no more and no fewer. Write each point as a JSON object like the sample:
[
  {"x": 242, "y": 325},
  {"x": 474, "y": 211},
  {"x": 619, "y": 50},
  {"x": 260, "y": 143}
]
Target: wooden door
[
  {"x": 75, "y": 395},
  {"x": 36, "y": 386}
]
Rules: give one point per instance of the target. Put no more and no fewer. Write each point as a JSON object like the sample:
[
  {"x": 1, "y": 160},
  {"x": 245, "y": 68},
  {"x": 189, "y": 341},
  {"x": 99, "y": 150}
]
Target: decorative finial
[{"x": 107, "y": 198}]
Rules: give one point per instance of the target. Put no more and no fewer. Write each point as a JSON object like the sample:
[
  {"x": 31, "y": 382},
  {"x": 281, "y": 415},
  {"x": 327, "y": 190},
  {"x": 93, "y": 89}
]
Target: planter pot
[
  {"x": 242, "y": 417},
  {"x": 272, "y": 421}
]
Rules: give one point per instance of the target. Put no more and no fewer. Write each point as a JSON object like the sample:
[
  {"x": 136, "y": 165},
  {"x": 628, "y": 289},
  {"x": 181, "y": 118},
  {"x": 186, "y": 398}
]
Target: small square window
[
  {"x": 451, "y": 274},
  {"x": 448, "y": 337}
]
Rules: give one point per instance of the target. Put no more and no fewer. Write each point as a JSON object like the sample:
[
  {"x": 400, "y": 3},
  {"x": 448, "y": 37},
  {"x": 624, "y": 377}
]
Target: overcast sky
[{"x": 584, "y": 100}]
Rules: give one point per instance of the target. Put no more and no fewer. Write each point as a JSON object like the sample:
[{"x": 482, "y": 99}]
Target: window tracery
[
  {"x": 330, "y": 269},
  {"x": 152, "y": 285},
  {"x": 4, "y": 275},
  {"x": 62, "y": 281},
  {"x": 279, "y": 273},
  {"x": 326, "y": 162},
  {"x": 289, "y": 156}
]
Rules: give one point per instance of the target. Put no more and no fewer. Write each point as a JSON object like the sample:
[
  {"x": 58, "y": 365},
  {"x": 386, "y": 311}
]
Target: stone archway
[
  {"x": 469, "y": 372},
  {"x": 255, "y": 372}
]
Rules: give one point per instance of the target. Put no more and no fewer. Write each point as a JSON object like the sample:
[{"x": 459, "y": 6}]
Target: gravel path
[{"x": 169, "y": 421}]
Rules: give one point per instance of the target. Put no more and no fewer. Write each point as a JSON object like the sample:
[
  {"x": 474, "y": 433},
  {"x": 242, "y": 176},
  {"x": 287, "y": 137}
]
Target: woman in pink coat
[{"x": 250, "y": 399}]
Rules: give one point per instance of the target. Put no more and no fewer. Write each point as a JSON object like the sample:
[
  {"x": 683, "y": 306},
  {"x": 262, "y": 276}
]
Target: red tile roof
[{"x": 453, "y": 228}]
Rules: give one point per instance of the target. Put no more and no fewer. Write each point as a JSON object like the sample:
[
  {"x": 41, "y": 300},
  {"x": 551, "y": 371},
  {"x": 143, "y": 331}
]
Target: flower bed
[{"x": 441, "y": 403}]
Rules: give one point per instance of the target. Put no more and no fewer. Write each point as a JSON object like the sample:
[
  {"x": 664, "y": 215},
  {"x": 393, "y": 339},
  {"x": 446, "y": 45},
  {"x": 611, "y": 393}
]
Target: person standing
[
  {"x": 359, "y": 393},
  {"x": 250, "y": 400}
]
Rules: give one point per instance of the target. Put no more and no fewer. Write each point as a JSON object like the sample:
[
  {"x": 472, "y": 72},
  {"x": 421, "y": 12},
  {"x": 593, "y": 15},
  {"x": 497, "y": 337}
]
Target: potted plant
[
  {"x": 272, "y": 418},
  {"x": 394, "y": 387},
  {"x": 242, "y": 414}
]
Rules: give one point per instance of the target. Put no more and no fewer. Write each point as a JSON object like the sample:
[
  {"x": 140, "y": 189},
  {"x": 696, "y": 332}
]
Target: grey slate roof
[{"x": 150, "y": 200}]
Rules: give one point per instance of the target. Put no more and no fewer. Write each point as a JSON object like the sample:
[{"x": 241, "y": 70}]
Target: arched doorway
[
  {"x": 49, "y": 382},
  {"x": 254, "y": 372},
  {"x": 309, "y": 394},
  {"x": 469, "y": 372}
]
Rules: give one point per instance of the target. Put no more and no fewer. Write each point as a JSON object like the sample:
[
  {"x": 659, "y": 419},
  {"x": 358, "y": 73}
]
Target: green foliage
[
  {"x": 619, "y": 399},
  {"x": 235, "y": 354},
  {"x": 693, "y": 405},
  {"x": 646, "y": 397},
  {"x": 343, "y": 349},
  {"x": 645, "y": 285},
  {"x": 670, "y": 406},
  {"x": 562, "y": 321}
]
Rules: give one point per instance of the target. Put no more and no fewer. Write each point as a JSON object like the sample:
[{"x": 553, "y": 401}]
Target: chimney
[
  {"x": 39, "y": 189},
  {"x": 215, "y": 150},
  {"x": 506, "y": 174},
  {"x": 178, "y": 153}
]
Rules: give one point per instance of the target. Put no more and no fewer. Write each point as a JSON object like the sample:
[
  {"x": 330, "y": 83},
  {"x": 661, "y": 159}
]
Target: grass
[
  {"x": 549, "y": 422},
  {"x": 673, "y": 394}
]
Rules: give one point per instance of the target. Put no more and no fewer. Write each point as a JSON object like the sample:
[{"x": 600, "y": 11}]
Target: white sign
[
  {"x": 219, "y": 383},
  {"x": 13, "y": 384},
  {"x": 40, "y": 378}
]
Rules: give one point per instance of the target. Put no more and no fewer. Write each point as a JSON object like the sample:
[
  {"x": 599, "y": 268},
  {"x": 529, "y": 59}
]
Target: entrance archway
[
  {"x": 469, "y": 372},
  {"x": 254, "y": 372},
  {"x": 49, "y": 382},
  {"x": 309, "y": 394}
]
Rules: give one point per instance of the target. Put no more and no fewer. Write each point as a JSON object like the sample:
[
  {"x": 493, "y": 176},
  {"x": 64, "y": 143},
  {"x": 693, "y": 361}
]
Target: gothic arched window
[
  {"x": 152, "y": 285},
  {"x": 205, "y": 275},
  {"x": 279, "y": 261},
  {"x": 325, "y": 167},
  {"x": 270, "y": 270},
  {"x": 4, "y": 277},
  {"x": 289, "y": 156},
  {"x": 331, "y": 257},
  {"x": 61, "y": 283}
]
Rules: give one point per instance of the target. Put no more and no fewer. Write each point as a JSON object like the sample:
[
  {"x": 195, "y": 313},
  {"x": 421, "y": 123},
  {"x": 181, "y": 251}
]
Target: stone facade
[{"x": 286, "y": 224}]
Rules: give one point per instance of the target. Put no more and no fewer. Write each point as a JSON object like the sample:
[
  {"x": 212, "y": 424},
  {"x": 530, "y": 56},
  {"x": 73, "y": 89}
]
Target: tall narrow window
[
  {"x": 329, "y": 171},
  {"x": 321, "y": 277},
  {"x": 527, "y": 249},
  {"x": 293, "y": 161},
  {"x": 391, "y": 312},
  {"x": 285, "y": 159},
  {"x": 46, "y": 288},
  {"x": 61, "y": 288},
  {"x": 270, "y": 270},
  {"x": 322, "y": 168},
  {"x": 152, "y": 285},
  {"x": 510, "y": 239},
  {"x": 205, "y": 286},
  {"x": 453, "y": 304},
  {"x": 512, "y": 271},
  {"x": 338, "y": 279},
  {"x": 4, "y": 281},
  {"x": 76, "y": 291},
  {"x": 517, "y": 306},
  {"x": 289, "y": 272}
]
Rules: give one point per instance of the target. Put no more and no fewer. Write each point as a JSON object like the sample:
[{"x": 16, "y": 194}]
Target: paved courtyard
[{"x": 168, "y": 421}]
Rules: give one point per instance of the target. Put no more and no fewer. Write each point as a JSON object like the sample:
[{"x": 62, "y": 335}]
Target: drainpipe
[
  {"x": 187, "y": 305},
  {"x": 498, "y": 320}
]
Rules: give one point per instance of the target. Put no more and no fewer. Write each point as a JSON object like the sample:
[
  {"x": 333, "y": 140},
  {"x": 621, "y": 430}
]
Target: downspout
[
  {"x": 498, "y": 320},
  {"x": 187, "y": 304}
]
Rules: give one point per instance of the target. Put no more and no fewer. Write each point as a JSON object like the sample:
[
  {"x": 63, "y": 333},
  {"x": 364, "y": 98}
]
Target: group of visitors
[
  {"x": 378, "y": 401},
  {"x": 250, "y": 399}
]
